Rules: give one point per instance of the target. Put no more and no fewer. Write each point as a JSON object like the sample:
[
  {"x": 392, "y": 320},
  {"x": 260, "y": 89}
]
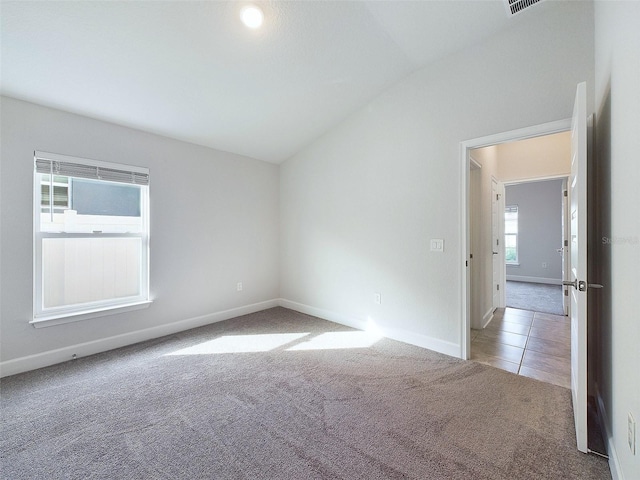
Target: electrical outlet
[
  {"x": 631, "y": 433},
  {"x": 377, "y": 298},
  {"x": 239, "y": 287},
  {"x": 437, "y": 245}
]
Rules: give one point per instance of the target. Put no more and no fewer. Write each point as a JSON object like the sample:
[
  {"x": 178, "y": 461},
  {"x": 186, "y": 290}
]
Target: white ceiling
[{"x": 192, "y": 71}]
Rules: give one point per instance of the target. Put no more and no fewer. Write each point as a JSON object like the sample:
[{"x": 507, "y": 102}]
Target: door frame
[{"x": 465, "y": 149}]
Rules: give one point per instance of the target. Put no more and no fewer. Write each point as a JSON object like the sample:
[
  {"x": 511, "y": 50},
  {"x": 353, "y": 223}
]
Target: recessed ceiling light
[{"x": 251, "y": 16}]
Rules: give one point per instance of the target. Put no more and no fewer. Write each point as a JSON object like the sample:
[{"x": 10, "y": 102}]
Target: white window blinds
[{"x": 63, "y": 165}]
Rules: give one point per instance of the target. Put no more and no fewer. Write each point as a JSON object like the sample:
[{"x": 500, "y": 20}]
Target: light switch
[{"x": 437, "y": 245}]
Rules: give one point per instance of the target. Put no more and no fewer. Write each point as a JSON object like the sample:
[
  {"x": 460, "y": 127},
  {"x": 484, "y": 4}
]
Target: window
[
  {"x": 511, "y": 234},
  {"x": 91, "y": 237}
]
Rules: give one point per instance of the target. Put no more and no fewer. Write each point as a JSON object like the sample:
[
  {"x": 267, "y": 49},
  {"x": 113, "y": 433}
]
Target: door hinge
[
  {"x": 498, "y": 287},
  {"x": 471, "y": 255},
  {"x": 566, "y": 292},
  {"x": 497, "y": 242},
  {"x": 466, "y": 263},
  {"x": 566, "y": 193},
  {"x": 566, "y": 243}
]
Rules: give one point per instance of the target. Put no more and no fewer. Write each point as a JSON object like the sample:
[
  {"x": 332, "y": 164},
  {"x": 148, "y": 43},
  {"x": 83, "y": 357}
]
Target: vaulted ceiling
[{"x": 193, "y": 71}]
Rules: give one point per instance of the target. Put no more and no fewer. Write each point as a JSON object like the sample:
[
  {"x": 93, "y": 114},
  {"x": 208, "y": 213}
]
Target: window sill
[
  {"x": 513, "y": 264},
  {"x": 62, "y": 318}
]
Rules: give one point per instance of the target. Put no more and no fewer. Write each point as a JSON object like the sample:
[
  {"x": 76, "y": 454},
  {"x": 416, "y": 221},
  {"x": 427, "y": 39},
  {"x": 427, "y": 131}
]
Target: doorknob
[
  {"x": 581, "y": 285},
  {"x": 560, "y": 250}
]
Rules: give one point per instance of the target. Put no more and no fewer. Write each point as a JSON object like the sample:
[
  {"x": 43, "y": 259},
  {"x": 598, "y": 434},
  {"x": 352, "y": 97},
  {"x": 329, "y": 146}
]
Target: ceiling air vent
[{"x": 516, "y": 6}]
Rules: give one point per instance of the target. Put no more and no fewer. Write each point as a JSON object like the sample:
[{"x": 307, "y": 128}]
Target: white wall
[
  {"x": 359, "y": 206},
  {"x": 214, "y": 222},
  {"x": 546, "y": 156},
  {"x": 539, "y": 230},
  {"x": 617, "y": 186}
]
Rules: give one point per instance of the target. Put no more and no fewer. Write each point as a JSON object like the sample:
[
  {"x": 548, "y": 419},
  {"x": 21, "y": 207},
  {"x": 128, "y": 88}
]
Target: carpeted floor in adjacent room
[
  {"x": 282, "y": 395},
  {"x": 537, "y": 297}
]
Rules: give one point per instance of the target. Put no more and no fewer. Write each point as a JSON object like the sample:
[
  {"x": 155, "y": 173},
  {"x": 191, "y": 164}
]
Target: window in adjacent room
[
  {"x": 511, "y": 234},
  {"x": 91, "y": 237}
]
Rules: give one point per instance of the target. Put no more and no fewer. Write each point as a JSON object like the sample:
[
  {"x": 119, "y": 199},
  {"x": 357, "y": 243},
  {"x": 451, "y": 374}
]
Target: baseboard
[
  {"x": 424, "y": 341},
  {"x": 51, "y": 357},
  {"x": 603, "y": 419},
  {"x": 487, "y": 317},
  {"x": 548, "y": 281}
]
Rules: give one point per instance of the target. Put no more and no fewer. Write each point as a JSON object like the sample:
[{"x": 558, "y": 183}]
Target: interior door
[
  {"x": 495, "y": 243},
  {"x": 564, "y": 249},
  {"x": 578, "y": 264}
]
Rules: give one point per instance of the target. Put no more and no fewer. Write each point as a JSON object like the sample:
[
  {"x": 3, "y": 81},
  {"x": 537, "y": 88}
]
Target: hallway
[{"x": 532, "y": 344}]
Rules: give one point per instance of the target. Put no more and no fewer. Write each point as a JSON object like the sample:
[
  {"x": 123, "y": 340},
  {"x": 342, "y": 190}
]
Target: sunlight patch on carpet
[
  {"x": 241, "y": 344},
  {"x": 338, "y": 340}
]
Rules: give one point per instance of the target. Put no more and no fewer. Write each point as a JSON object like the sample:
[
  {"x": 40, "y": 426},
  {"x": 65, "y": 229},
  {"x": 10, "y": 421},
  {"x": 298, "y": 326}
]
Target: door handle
[
  {"x": 495, "y": 253},
  {"x": 581, "y": 285},
  {"x": 560, "y": 250}
]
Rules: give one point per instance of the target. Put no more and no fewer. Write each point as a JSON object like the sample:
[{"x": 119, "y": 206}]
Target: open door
[
  {"x": 497, "y": 247},
  {"x": 578, "y": 264},
  {"x": 564, "y": 249}
]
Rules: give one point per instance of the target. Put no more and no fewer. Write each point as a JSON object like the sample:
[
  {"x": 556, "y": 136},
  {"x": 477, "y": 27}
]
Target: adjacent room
[
  {"x": 267, "y": 239},
  {"x": 534, "y": 242}
]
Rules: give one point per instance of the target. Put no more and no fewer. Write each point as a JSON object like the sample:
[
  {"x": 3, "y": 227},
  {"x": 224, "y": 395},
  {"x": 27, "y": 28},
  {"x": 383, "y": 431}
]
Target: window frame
[
  {"x": 70, "y": 313},
  {"x": 515, "y": 262}
]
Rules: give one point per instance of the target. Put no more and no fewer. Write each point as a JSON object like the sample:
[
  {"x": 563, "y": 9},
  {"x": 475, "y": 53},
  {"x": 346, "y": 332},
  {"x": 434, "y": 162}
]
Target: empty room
[{"x": 238, "y": 239}]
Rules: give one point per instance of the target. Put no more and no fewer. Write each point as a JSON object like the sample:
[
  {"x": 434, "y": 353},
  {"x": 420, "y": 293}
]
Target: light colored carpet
[
  {"x": 180, "y": 407},
  {"x": 538, "y": 297}
]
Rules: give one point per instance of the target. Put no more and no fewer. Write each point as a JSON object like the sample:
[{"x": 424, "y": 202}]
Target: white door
[
  {"x": 564, "y": 249},
  {"x": 496, "y": 218},
  {"x": 578, "y": 264}
]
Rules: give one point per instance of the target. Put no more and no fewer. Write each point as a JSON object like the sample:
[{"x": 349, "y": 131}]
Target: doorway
[
  {"x": 483, "y": 152},
  {"x": 580, "y": 138},
  {"x": 521, "y": 215},
  {"x": 534, "y": 238}
]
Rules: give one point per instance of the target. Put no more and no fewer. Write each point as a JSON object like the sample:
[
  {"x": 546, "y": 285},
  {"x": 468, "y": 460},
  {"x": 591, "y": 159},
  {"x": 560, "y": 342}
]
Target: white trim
[
  {"x": 424, "y": 341},
  {"x": 541, "y": 130},
  {"x": 51, "y": 357},
  {"x": 487, "y": 317},
  {"x": 524, "y": 278},
  {"x": 465, "y": 148},
  {"x": 62, "y": 318},
  {"x": 473, "y": 164},
  {"x": 546, "y": 178},
  {"x": 614, "y": 463}
]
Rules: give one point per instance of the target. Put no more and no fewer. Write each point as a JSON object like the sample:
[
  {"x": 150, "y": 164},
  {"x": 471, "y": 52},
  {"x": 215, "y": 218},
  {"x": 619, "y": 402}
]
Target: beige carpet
[{"x": 268, "y": 396}]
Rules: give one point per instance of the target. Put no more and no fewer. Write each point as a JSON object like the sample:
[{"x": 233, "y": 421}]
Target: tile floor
[{"x": 533, "y": 344}]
